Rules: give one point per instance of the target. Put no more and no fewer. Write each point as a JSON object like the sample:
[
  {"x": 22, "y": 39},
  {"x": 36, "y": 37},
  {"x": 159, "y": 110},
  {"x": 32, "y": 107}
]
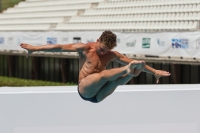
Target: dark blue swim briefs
[{"x": 92, "y": 99}]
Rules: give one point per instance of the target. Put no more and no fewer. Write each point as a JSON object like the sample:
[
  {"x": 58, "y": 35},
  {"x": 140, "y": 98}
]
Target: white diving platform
[{"x": 130, "y": 109}]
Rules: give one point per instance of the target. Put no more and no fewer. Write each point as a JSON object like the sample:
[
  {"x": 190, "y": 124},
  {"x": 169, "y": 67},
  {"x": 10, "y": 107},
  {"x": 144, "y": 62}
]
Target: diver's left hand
[{"x": 160, "y": 73}]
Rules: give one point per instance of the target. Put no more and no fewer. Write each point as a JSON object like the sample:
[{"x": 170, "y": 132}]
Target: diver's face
[{"x": 101, "y": 48}]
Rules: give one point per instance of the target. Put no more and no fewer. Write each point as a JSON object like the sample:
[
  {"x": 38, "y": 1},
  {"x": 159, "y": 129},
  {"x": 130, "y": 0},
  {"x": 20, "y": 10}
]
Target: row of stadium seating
[
  {"x": 38, "y": 14},
  {"x": 53, "y": 2},
  {"x": 49, "y": 8},
  {"x": 143, "y": 9},
  {"x": 25, "y": 27},
  {"x": 124, "y": 11},
  {"x": 132, "y": 3},
  {"x": 130, "y": 26},
  {"x": 83, "y": 15},
  {"x": 110, "y": 3},
  {"x": 118, "y": 26},
  {"x": 106, "y": 18},
  {"x": 124, "y": 8},
  {"x": 45, "y": 20},
  {"x": 136, "y": 2},
  {"x": 138, "y": 17}
]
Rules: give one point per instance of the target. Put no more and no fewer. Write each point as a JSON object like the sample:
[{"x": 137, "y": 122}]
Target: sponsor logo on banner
[
  {"x": 180, "y": 43},
  {"x": 1, "y": 40},
  {"x": 51, "y": 40},
  {"x": 160, "y": 43},
  {"x": 10, "y": 40},
  {"x": 90, "y": 40},
  {"x": 146, "y": 42},
  {"x": 76, "y": 39},
  {"x": 198, "y": 43},
  {"x": 131, "y": 44}
]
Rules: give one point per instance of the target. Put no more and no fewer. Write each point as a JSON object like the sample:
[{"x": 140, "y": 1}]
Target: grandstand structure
[
  {"x": 99, "y": 15},
  {"x": 116, "y": 15}
]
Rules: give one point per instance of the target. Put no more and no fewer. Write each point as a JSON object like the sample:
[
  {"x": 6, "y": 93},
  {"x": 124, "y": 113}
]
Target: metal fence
[{"x": 66, "y": 70}]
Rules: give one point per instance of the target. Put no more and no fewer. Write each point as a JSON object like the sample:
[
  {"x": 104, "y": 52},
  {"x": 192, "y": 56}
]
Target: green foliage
[
  {"x": 8, "y": 3},
  {"x": 7, "y": 81}
]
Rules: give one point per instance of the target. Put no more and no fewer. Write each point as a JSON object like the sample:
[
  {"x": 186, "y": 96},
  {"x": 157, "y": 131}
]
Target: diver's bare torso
[{"x": 90, "y": 62}]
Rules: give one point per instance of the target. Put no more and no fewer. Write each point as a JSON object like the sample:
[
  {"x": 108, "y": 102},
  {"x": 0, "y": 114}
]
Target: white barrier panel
[
  {"x": 130, "y": 109},
  {"x": 180, "y": 44}
]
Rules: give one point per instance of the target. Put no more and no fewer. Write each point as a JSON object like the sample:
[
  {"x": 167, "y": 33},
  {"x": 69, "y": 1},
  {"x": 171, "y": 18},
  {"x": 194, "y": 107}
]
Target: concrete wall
[{"x": 131, "y": 108}]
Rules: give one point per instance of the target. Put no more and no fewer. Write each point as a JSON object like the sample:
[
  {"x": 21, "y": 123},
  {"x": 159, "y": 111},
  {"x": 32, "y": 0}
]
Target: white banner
[{"x": 183, "y": 44}]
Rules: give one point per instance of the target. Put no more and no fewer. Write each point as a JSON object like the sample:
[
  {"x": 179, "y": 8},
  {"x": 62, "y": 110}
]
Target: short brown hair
[{"x": 109, "y": 39}]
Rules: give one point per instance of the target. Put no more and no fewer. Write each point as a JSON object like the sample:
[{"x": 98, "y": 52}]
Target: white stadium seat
[{"x": 193, "y": 25}]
